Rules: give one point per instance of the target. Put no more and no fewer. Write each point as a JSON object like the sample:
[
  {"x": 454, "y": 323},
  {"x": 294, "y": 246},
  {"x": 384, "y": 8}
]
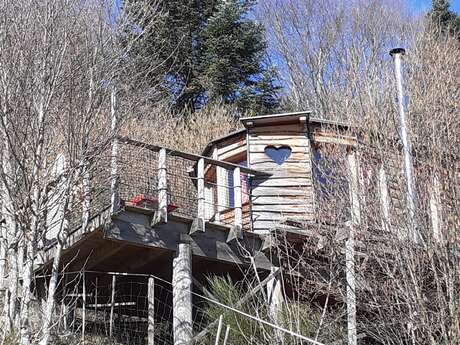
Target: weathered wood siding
[
  {"x": 288, "y": 192},
  {"x": 233, "y": 149}
]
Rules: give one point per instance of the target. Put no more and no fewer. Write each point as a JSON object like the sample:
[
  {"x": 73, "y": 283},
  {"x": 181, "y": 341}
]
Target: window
[
  {"x": 230, "y": 197},
  {"x": 330, "y": 180}
]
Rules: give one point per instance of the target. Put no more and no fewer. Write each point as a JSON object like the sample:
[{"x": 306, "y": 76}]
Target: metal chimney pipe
[{"x": 397, "y": 54}]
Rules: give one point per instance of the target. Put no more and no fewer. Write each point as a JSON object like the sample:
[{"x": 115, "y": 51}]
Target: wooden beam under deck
[
  {"x": 135, "y": 228},
  {"x": 127, "y": 241}
]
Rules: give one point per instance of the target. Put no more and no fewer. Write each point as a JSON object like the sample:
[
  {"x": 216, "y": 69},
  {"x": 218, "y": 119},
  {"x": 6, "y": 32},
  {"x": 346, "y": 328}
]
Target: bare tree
[
  {"x": 58, "y": 62},
  {"x": 335, "y": 58}
]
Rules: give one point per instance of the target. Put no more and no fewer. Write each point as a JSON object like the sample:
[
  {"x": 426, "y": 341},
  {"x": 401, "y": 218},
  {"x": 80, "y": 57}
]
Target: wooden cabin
[
  {"x": 282, "y": 172},
  {"x": 285, "y": 146}
]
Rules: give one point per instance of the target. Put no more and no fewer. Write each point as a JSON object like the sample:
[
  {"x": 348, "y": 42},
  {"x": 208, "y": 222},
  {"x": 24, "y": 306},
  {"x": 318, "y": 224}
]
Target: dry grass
[{"x": 186, "y": 131}]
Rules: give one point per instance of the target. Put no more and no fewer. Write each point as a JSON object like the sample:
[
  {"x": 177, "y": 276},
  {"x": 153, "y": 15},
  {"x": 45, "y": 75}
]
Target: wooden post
[
  {"x": 151, "y": 311},
  {"x": 275, "y": 299},
  {"x": 114, "y": 187},
  {"x": 114, "y": 280},
  {"x": 95, "y": 298},
  {"x": 350, "y": 246},
  {"x": 227, "y": 331},
  {"x": 221, "y": 193},
  {"x": 236, "y": 231},
  {"x": 239, "y": 304},
  {"x": 384, "y": 198},
  {"x": 86, "y": 214},
  {"x": 220, "y": 175},
  {"x": 198, "y": 222},
  {"x": 63, "y": 302},
  {"x": 219, "y": 330},
  {"x": 435, "y": 209},
  {"x": 161, "y": 215},
  {"x": 238, "y": 198},
  {"x": 182, "y": 295},
  {"x": 83, "y": 327},
  {"x": 354, "y": 187},
  {"x": 351, "y": 286}
]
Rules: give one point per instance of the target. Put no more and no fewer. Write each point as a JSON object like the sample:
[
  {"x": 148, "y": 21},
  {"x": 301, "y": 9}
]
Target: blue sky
[{"x": 425, "y": 5}]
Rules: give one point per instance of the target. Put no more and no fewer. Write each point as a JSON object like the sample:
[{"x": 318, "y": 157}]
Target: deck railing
[
  {"x": 170, "y": 182},
  {"x": 162, "y": 182}
]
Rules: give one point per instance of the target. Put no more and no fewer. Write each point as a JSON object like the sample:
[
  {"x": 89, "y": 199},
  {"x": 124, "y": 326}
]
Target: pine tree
[
  {"x": 232, "y": 59},
  {"x": 213, "y": 52},
  {"x": 446, "y": 19}
]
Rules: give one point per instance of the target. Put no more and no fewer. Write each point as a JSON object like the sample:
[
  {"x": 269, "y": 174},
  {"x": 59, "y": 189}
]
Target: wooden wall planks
[{"x": 288, "y": 192}]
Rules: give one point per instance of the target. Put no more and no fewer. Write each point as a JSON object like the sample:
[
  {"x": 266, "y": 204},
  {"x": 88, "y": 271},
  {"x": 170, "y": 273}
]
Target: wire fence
[{"x": 117, "y": 308}]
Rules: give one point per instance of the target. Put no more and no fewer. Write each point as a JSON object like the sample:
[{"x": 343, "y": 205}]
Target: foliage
[
  {"x": 337, "y": 62},
  {"x": 441, "y": 15},
  {"x": 297, "y": 316},
  {"x": 212, "y": 52}
]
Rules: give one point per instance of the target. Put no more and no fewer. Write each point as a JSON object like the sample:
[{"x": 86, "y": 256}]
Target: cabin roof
[
  {"x": 209, "y": 145},
  {"x": 273, "y": 119}
]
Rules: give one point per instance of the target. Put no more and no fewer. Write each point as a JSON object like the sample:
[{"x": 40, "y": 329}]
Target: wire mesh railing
[
  {"x": 183, "y": 184},
  {"x": 157, "y": 180}
]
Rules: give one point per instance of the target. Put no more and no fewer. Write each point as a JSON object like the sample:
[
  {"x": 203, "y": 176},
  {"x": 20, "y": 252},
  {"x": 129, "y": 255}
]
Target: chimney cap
[{"x": 395, "y": 51}]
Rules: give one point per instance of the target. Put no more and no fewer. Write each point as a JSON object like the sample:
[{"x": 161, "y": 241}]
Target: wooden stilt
[
  {"x": 182, "y": 295},
  {"x": 65, "y": 310},
  {"x": 351, "y": 294},
  {"x": 151, "y": 311},
  {"x": 350, "y": 247},
  {"x": 275, "y": 299},
  {"x": 436, "y": 208},
  {"x": 95, "y": 298},
  {"x": 83, "y": 326},
  {"x": 114, "y": 187},
  {"x": 114, "y": 280}
]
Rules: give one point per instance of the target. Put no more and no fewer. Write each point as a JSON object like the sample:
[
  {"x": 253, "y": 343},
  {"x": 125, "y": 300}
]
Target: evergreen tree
[
  {"x": 446, "y": 19},
  {"x": 213, "y": 52}
]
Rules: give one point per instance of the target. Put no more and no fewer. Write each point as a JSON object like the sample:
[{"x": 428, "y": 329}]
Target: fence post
[
  {"x": 161, "y": 214},
  {"x": 227, "y": 331},
  {"x": 151, "y": 311},
  {"x": 219, "y": 329},
  {"x": 112, "y": 305},
  {"x": 236, "y": 231},
  {"x": 182, "y": 295},
  {"x": 198, "y": 222},
  {"x": 275, "y": 299}
]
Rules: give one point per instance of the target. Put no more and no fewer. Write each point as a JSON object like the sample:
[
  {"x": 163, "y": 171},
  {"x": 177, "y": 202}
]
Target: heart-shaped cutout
[{"x": 279, "y": 154}]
